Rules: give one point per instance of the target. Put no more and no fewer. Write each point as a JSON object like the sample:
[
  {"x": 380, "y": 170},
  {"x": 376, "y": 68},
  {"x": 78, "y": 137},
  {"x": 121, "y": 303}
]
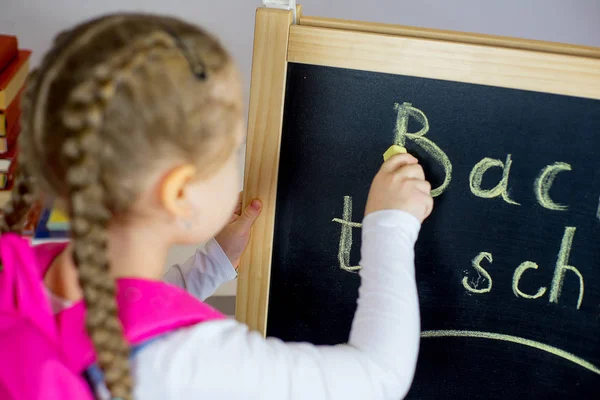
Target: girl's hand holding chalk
[
  {"x": 400, "y": 185},
  {"x": 392, "y": 151}
]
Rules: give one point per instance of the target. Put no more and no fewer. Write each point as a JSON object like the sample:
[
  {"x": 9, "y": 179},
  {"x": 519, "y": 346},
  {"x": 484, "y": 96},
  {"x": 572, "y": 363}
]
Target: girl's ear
[{"x": 173, "y": 191}]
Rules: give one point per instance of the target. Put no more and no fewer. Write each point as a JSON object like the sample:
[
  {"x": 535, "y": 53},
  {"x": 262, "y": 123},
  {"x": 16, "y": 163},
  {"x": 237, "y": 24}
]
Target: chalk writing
[
  {"x": 514, "y": 339},
  {"x": 501, "y": 189},
  {"x": 346, "y": 236},
  {"x": 405, "y": 111},
  {"x": 473, "y": 287},
  {"x": 483, "y": 282},
  {"x": 517, "y": 277},
  {"x": 562, "y": 268},
  {"x": 557, "y": 281},
  {"x": 544, "y": 182}
]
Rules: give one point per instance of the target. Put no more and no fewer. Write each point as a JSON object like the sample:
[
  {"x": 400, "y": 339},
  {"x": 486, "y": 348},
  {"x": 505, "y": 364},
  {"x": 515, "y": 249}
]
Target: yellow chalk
[{"x": 392, "y": 151}]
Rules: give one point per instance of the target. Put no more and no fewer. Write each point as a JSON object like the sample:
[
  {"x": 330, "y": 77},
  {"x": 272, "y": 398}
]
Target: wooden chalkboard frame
[{"x": 460, "y": 57}]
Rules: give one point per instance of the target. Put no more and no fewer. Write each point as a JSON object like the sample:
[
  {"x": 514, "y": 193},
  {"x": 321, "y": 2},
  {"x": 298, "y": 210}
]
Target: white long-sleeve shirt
[
  {"x": 224, "y": 360},
  {"x": 202, "y": 273}
]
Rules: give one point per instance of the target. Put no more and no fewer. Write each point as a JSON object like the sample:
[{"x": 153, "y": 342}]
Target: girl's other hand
[{"x": 234, "y": 238}]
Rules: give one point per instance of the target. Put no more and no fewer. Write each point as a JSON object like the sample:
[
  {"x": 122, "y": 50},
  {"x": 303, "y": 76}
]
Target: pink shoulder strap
[{"x": 150, "y": 308}]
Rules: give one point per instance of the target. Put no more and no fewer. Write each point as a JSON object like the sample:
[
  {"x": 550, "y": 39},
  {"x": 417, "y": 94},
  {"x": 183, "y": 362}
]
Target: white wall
[
  {"x": 569, "y": 21},
  {"x": 575, "y": 21}
]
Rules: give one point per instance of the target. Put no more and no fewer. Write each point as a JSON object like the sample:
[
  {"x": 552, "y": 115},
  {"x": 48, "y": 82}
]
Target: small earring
[{"x": 185, "y": 223}]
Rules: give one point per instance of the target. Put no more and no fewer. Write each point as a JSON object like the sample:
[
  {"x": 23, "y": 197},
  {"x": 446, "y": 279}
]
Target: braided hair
[{"x": 111, "y": 98}]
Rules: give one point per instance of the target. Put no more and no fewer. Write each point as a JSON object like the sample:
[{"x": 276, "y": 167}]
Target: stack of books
[{"x": 14, "y": 68}]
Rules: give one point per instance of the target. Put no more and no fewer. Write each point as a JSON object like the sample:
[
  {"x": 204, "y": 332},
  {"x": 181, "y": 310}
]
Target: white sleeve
[
  {"x": 202, "y": 273},
  {"x": 223, "y": 360}
]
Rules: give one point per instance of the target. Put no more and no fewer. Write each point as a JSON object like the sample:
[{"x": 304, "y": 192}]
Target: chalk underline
[{"x": 514, "y": 339}]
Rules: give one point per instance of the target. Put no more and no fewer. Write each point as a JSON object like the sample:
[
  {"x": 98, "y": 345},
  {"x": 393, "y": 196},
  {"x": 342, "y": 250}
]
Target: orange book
[
  {"x": 8, "y": 50},
  {"x": 9, "y": 142},
  {"x": 13, "y": 77},
  {"x": 3, "y": 144},
  {"x": 10, "y": 116}
]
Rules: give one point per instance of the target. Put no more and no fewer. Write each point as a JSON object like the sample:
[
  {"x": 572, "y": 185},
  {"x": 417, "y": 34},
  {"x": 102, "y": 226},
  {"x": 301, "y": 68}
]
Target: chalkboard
[{"x": 508, "y": 264}]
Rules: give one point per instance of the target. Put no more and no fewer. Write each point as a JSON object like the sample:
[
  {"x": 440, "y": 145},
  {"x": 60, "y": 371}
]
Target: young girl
[{"x": 135, "y": 122}]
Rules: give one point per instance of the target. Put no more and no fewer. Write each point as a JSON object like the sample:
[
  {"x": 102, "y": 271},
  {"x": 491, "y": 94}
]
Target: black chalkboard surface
[{"x": 509, "y": 293}]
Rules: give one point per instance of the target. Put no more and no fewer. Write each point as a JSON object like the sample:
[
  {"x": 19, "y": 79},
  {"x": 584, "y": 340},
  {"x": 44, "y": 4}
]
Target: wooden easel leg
[{"x": 269, "y": 69}]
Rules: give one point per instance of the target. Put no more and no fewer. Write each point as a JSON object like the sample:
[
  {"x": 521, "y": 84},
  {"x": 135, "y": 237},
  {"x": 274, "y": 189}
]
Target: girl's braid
[{"x": 89, "y": 214}]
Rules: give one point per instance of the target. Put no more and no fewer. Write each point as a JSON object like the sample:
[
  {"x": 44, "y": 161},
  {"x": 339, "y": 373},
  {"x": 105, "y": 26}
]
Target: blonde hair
[{"x": 114, "y": 96}]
